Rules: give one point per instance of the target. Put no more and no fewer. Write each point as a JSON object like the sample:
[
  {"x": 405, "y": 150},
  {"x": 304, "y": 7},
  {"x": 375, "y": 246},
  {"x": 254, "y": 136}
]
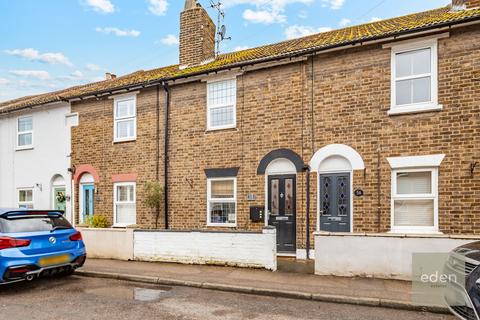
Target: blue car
[{"x": 37, "y": 243}]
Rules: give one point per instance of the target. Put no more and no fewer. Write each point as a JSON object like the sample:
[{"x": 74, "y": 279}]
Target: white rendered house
[{"x": 35, "y": 147}]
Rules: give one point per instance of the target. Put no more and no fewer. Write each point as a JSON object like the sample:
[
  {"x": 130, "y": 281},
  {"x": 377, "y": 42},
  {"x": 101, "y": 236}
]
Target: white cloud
[
  {"x": 118, "y": 32},
  {"x": 158, "y": 7},
  {"x": 297, "y": 31},
  {"x": 4, "y": 81},
  {"x": 170, "y": 40},
  {"x": 240, "y": 48},
  {"x": 266, "y": 11},
  {"x": 333, "y": 4},
  {"x": 375, "y": 19},
  {"x": 303, "y": 14},
  {"x": 77, "y": 74},
  {"x": 74, "y": 76},
  {"x": 103, "y": 6},
  {"x": 345, "y": 22},
  {"x": 264, "y": 16},
  {"x": 35, "y": 55},
  {"x": 39, "y": 74},
  {"x": 92, "y": 67}
]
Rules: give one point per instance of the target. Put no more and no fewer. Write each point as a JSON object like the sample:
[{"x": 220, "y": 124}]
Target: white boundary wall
[
  {"x": 387, "y": 256},
  {"x": 240, "y": 249},
  {"x": 108, "y": 243}
]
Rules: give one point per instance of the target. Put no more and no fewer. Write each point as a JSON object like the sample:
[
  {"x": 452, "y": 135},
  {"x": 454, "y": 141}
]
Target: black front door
[
  {"x": 334, "y": 202},
  {"x": 282, "y": 209}
]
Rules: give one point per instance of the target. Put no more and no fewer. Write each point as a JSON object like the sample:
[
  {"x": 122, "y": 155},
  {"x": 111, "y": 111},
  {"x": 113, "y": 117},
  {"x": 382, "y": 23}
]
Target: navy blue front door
[{"x": 335, "y": 195}]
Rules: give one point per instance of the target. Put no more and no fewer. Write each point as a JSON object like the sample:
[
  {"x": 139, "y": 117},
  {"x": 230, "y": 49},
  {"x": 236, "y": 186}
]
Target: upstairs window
[
  {"x": 125, "y": 115},
  {"x": 414, "y": 77},
  {"x": 25, "y": 133},
  {"x": 221, "y": 100},
  {"x": 222, "y": 202}
]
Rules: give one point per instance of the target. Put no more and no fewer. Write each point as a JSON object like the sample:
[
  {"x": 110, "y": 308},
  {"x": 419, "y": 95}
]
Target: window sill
[
  {"x": 234, "y": 127},
  {"x": 225, "y": 225},
  {"x": 122, "y": 226},
  {"x": 24, "y": 148},
  {"x": 124, "y": 140},
  {"x": 415, "y": 109}
]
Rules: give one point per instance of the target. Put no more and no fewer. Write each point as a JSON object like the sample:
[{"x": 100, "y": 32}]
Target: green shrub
[
  {"x": 97, "y": 221},
  {"x": 154, "y": 194}
]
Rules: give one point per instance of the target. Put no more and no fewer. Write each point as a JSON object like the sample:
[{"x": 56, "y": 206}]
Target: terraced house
[{"x": 368, "y": 129}]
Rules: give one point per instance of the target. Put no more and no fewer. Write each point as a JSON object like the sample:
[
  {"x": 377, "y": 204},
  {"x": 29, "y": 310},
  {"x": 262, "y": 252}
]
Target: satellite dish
[{"x": 222, "y": 32}]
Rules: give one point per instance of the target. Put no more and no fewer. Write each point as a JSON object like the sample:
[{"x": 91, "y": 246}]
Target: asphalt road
[{"x": 88, "y": 298}]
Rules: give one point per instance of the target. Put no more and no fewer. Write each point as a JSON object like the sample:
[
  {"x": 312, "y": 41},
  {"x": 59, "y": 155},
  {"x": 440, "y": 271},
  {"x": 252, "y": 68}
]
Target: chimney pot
[
  {"x": 110, "y": 76},
  {"x": 459, "y": 5},
  {"x": 190, "y": 4}
]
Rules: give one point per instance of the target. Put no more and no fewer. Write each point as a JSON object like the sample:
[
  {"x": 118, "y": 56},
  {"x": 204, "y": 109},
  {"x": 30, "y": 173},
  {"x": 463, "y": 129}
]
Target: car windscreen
[{"x": 33, "y": 223}]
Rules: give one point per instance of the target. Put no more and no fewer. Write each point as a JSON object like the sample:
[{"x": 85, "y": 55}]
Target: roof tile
[{"x": 320, "y": 41}]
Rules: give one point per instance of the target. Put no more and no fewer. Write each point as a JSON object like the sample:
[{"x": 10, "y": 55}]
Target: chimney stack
[
  {"x": 197, "y": 35},
  {"x": 459, "y": 5}
]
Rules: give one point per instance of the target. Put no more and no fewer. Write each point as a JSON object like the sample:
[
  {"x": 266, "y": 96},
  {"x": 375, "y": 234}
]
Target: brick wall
[
  {"x": 351, "y": 92},
  {"x": 197, "y": 37},
  {"x": 92, "y": 143}
]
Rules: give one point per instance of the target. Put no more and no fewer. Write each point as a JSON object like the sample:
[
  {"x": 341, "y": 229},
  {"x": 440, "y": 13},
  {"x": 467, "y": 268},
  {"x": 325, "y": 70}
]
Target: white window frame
[
  {"x": 133, "y": 117},
  {"x": 229, "y": 200},
  {"x": 115, "y": 203},
  {"x": 32, "y": 203},
  {"x": 430, "y": 196},
  {"x": 25, "y": 147},
  {"x": 432, "y": 105},
  {"x": 230, "y": 126}
]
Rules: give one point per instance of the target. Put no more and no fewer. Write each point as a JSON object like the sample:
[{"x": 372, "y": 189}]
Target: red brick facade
[{"x": 351, "y": 99}]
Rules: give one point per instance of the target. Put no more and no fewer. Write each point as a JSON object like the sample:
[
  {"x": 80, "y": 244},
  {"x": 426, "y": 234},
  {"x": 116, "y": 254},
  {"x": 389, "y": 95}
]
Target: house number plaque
[{"x": 358, "y": 192}]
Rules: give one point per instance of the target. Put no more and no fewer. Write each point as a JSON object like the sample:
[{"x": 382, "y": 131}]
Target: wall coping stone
[
  {"x": 199, "y": 231},
  {"x": 397, "y": 235}
]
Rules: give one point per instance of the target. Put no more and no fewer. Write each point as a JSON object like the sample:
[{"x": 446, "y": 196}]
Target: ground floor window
[
  {"x": 25, "y": 198},
  {"x": 125, "y": 204},
  {"x": 415, "y": 200},
  {"x": 222, "y": 202}
]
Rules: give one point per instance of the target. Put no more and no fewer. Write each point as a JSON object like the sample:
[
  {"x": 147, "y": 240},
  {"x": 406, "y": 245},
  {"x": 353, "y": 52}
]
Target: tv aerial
[{"x": 221, "y": 34}]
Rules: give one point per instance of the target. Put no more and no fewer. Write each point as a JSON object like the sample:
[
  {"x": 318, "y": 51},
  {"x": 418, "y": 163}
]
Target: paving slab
[{"x": 387, "y": 290}]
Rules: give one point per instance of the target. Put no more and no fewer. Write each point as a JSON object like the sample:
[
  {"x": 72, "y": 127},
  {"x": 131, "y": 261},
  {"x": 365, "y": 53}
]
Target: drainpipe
[
  {"x": 165, "y": 155},
  {"x": 307, "y": 170},
  {"x": 379, "y": 190},
  {"x": 157, "y": 165}
]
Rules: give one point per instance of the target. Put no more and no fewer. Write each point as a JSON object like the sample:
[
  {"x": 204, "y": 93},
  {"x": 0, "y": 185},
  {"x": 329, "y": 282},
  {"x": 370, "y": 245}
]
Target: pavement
[
  {"x": 358, "y": 291},
  {"x": 85, "y": 298}
]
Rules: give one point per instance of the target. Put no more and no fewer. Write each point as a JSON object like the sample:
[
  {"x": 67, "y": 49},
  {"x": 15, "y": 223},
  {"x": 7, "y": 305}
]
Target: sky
[{"x": 48, "y": 45}]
